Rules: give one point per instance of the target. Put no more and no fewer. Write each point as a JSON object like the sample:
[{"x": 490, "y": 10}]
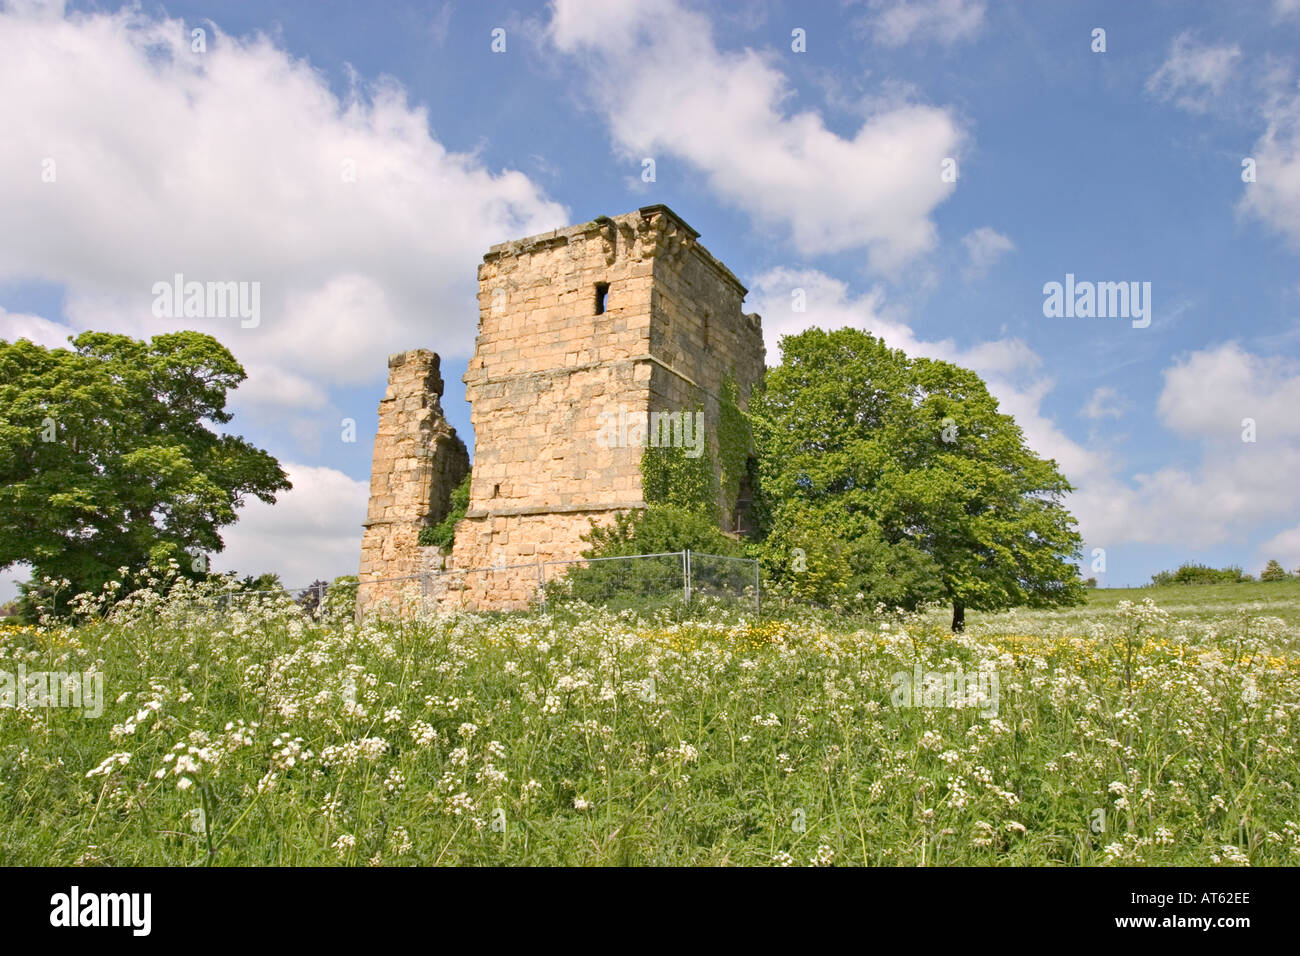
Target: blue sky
[{"x": 816, "y": 170}]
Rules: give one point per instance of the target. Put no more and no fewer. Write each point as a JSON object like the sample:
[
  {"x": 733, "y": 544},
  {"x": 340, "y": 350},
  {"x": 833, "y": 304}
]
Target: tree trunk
[{"x": 958, "y": 616}]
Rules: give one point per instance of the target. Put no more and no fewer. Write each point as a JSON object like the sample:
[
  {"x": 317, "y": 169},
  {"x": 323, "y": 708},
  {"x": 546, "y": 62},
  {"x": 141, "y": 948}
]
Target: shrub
[
  {"x": 443, "y": 533},
  {"x": 341, "y": 597},
  {"x": 1191, "y": 573},
  {"x": 658, "y": 529},
  {"x": 310, "y": 598},
  {"x": 1274, "y": 572}
]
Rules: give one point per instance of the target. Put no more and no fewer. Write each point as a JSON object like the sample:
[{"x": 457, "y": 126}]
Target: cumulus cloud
[
  {"x": 897, "y": 22},
  {"x": 664, "y": 87},
  {"x": 1209, "y": 393},
  {"x": 1231, "y": 489},
  {"x": 312, "y": 531},
  {"x": 1274, "y": 197},
  {"x": 129, "y": 158},
  {"x": 1105, "y": 402},
  {"x": 1193, "y": 73},
  {"x": 1195, "y": 76},
  {"x": 984, "y": 247},
  {"x": 34, "y": 328},
  {"x": 1283, "y": 547}
]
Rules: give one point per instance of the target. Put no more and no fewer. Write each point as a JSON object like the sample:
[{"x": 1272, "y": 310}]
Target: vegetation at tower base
[
  {"x": 900, "y": 477},
  {"x": 654, "y": 530},
  {"x": 735, "y": 443},
  {"x": 443, "y": 533},
  {"x": 107, "y": 462}
]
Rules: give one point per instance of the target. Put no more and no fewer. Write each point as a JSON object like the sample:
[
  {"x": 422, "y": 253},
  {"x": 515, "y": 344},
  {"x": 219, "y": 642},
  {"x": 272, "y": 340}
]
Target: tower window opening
[{"x": 602, "y": 290}]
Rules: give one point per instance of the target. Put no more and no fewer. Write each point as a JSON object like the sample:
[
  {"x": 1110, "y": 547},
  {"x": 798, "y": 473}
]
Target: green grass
[
  {"x": 585, "y": 737},
  {"x": 1201, "y": 604},
  {"x": 1281, "y": 597}
]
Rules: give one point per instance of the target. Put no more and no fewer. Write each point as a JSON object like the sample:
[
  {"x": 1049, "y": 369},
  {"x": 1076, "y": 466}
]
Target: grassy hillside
[
  {"x": 1266, "y": 596},
  {"x": 1203, "y": 604},
  {"x": 1106, "y": 735}
]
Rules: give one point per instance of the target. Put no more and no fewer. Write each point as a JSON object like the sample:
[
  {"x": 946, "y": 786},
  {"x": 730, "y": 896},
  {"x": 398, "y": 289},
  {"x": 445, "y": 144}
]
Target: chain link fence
[{"x": 643, "y": 582}]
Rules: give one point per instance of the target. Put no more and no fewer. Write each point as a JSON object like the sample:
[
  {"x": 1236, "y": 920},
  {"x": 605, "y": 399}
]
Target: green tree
[
  {"x": 107, "y": 459},
  {"x": 1274, "y": 572},
  {"x": 265, "y": 583},
  {"x": 910, "y": 458},
  {"x": 826, "y": 554}
]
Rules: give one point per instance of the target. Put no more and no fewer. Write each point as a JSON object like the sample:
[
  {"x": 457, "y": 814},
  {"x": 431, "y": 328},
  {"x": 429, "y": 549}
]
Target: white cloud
[
  {"x": 1286, "y": 8},
  {"x": 896, "y": 22},
  {"x": 1208, "y": 393},
  {"x": 229, "y": 165},
  {"x": 1234, "y": 489},
  {"x": 1104, "y": 403},
  {"x": 664, "y": 87},
  {"x": 1195, "y": 76},
  {"x": 312, "y": 531},
  {"x": 1283, "y": 547},
  {"x": 984, "y": 247},
  {"x": 268, "y": 388},
  {"x": 1193, "y": 73},
  {"x": 1274, "y": 197},
  {"x": 34, "y": 328}
]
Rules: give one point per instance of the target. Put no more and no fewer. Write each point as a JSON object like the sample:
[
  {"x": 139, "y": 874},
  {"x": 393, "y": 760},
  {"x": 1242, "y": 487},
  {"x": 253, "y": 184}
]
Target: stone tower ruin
[{"x": 610, "y": 320}]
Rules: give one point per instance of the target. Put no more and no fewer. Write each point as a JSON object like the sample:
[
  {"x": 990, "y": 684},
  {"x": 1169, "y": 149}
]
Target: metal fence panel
[{"x": 642, "y": 582}]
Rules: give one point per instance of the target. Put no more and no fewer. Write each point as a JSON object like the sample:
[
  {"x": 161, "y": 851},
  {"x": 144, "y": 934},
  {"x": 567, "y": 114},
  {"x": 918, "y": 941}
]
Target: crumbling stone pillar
[{"x": 418, "y": 461}]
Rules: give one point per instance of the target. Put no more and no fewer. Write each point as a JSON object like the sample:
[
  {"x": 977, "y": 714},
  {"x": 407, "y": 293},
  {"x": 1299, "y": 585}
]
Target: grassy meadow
[{"x": 1115, "y": 734}]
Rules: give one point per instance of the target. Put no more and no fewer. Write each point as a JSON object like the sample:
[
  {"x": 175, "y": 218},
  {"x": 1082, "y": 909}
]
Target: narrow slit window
[{"x": 602, "y": 290}]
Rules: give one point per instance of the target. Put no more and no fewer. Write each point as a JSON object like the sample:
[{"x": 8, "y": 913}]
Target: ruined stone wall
[
  {"x": 418, "y": 461},
  {"x": 550, "y": 368}
]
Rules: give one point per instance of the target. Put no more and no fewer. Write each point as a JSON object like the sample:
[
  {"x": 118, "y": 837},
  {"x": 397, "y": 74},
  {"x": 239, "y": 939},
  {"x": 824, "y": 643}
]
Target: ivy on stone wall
[
  {"x": 735, "y": 442},
  {"x": 671, "y": 477}
]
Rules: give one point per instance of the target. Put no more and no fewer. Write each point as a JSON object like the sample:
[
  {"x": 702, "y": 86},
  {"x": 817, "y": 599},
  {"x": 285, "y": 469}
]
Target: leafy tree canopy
[
  {"x": 108, "y": 460},
  {"x": 909, "y": 463}
]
